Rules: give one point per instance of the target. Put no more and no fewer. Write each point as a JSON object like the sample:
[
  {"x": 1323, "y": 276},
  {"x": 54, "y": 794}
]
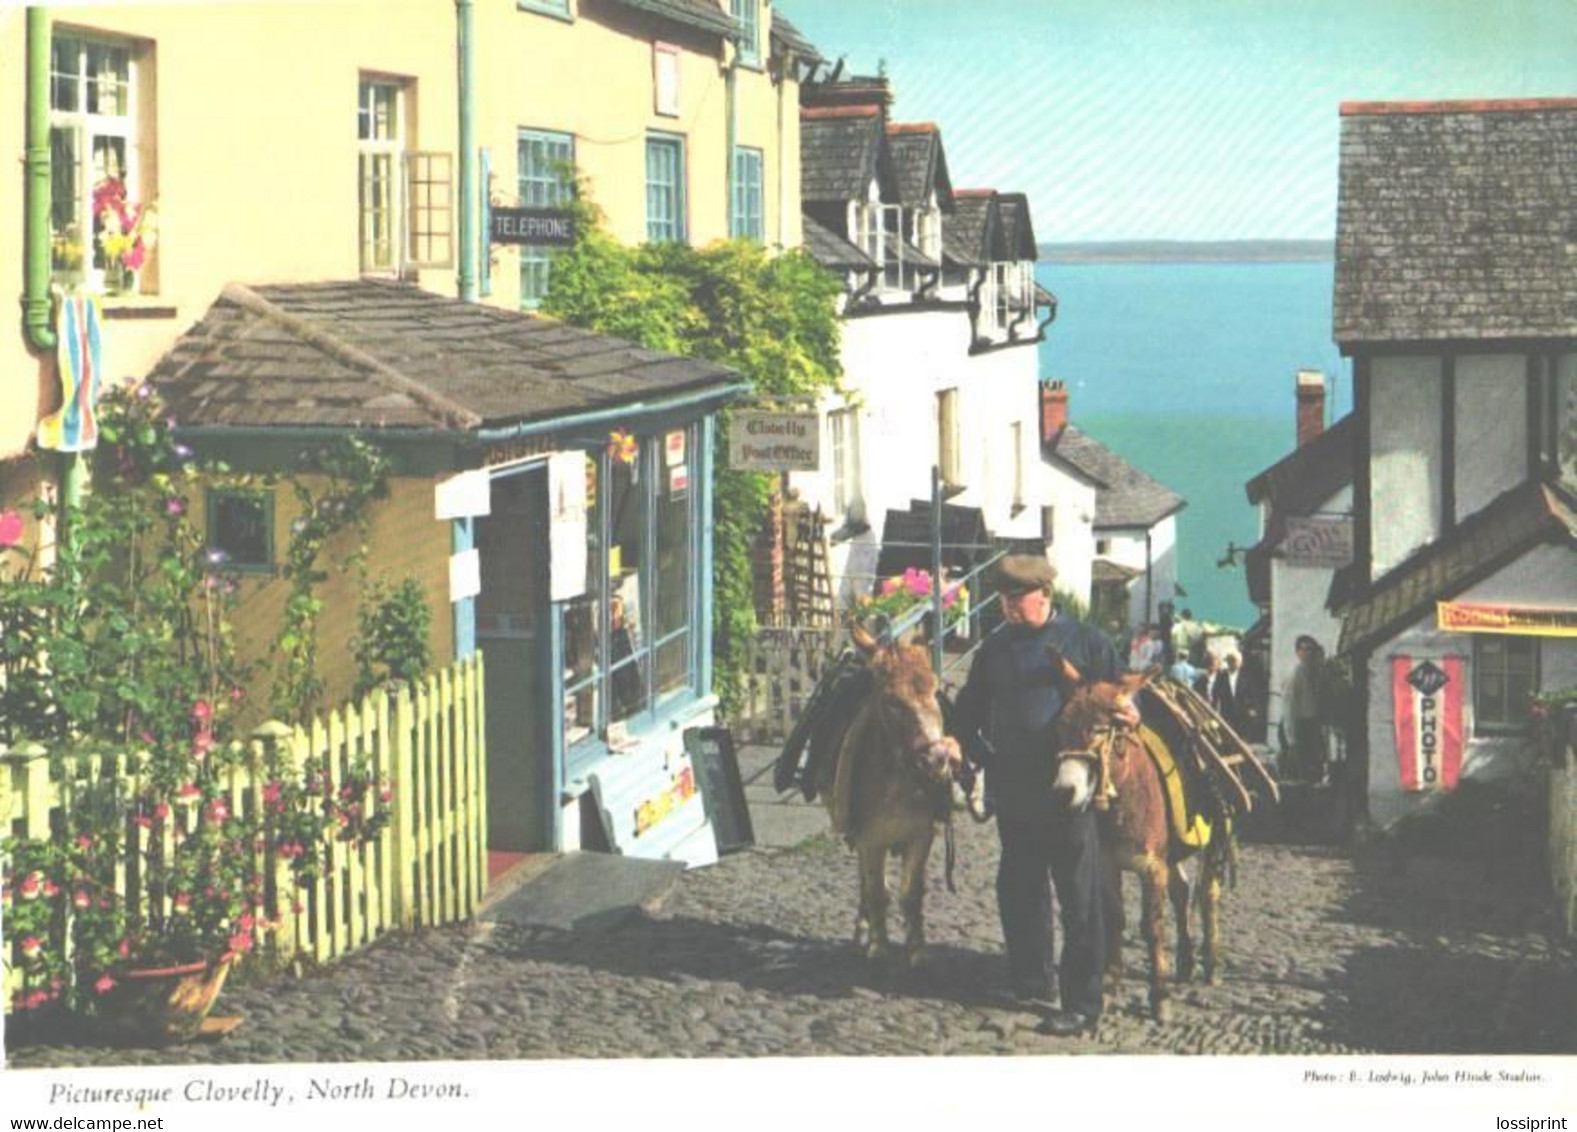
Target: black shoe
[{"x": 1068, "y": 1024}]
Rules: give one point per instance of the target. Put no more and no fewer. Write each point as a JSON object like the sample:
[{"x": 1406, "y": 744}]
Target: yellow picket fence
[{"x": 427, "y": 867}]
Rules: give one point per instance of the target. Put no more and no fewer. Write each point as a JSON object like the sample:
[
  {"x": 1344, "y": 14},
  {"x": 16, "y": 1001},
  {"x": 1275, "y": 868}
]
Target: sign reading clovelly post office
[
  {"x": 763, "y": 441},
  {"x": 548, "y": 227}
]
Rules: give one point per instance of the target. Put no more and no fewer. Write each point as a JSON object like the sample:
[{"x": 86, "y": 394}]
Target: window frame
[
  {"x": 747, "y": 38},
  {"x": 88, "y": 126},
  {"x": 740, "y": 200},
  {"x": 556, "y": 190},
  {"x": 843, "y": 439},
  {"x": 394, "y": 150},
  {"x": 1516, "y": 721},
  {"x": 678, "y": 222},
  {"x": 559, "y": 9},
  {"x": 652, "y": 480},
  {"x": 949, "y": 437},
  {"x": 213, "y": 497}
]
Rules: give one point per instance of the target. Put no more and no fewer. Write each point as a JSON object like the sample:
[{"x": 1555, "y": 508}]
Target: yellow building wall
[
  {"x": 250, "y": 158},
  {"x": 404, "y": 540},
  {"x": 593, "y": 78}
]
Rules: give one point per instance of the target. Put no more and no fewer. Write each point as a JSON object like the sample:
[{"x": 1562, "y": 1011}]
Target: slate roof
[
  {"x": 906, "y": 539},
  {"x": 1496, "y": 536},
  {"x": 1124, "y": 496},
  {"x": 786, "y": 34},
  {"x": 1457, "y": 221},
  {"x": 840, "y": 151},
  {"x": 1298, "y": 484},
  {"x": 912, "y": 256},
  {"x": 829, "y": 249},
  {"x": 693, "y": 13},
  {"x": 919, "y": 163},
  {"x": 967, "y": 237},
  {"x": 1018, "y": 233},
  {"x": 374, "y": 355},
  {"x": 1105, "y": 570}
]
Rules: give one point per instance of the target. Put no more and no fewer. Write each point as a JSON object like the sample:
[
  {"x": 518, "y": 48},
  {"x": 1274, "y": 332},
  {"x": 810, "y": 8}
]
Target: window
[
  {"x": 747, "y": 221},
  {"x": 1564, "y": 423},
  {"x": 546, "y": 162},
  {"x": 241, "y": 526},
  {"x": 406, "y": 204},
  {"x": 844, "y": 428},
  {"x": 868, "y": 231},
  {"x": 947, "y": 441},
  {"x": 380, "y": 150},
  {"x": 928, "y": 231},
  {"x": 550, "y": 7},
  {"x": 1002, "y": 294},
  {"x": 665, "y": 203},
  {"x": 894, "y": 275},
  {"x": 665, "y": 79},
  {"x": 1103, "y": 546},
  {"x": 748, "y": 19},
  {"x": 641, "y": 582},
  {"x": 1505, "y": 677},
  {"x": 93, "y": 105}
]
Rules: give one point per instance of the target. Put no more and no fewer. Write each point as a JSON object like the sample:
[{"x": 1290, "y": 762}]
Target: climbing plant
[{"x": 772, "y": 317}]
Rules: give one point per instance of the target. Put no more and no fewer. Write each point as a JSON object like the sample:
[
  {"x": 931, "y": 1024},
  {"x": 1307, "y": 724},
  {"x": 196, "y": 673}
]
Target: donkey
[
  {"x": 892, "y": 784},
  {"x": 1105, "y": 763}
]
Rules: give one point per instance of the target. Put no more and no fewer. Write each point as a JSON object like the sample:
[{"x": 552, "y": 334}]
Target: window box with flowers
[
  {"x": 898, "y": 595},
  {"x": 176, "y": 845}
]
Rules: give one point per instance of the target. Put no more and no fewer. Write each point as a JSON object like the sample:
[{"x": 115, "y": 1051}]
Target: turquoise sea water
[{"x": 1186, "y": 370}]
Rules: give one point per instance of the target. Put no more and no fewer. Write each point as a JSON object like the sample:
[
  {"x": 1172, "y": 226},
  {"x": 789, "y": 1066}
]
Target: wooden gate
[{"x": 783, "y": 665}]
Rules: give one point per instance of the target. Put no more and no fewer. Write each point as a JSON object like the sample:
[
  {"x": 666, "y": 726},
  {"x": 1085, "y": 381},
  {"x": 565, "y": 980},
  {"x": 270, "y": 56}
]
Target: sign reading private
[
  {"x": 762, "y": 441},
  {"x": 545, "y": 227}
]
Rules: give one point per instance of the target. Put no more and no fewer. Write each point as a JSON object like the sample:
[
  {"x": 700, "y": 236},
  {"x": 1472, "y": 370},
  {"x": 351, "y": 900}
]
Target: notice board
[{"x": 716, "y": 762}]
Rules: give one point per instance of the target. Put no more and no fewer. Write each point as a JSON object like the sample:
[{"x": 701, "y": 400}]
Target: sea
[{"x": 1187, "y": 370}]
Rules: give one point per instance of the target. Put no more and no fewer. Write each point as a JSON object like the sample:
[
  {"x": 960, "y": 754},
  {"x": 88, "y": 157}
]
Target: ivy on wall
[{"x": 771, "y": 317}]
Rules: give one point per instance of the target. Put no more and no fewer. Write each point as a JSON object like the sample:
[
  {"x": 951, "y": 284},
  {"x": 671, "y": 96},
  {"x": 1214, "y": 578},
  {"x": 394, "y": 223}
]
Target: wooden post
[{"x": 405, "y": 803}]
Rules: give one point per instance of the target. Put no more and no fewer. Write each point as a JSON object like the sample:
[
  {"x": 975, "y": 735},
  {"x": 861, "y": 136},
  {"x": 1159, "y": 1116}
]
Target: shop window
[
  {"x": 665, "y": 203},
  {"x": 241, "y": 527},
  {"x": 746, "y": 222},
  {"x": 641, "y": 583},
  {"x": 95, "y": 90},
  {"x": 546, "y": 180},
  {"x": 1505, "y": 678}
]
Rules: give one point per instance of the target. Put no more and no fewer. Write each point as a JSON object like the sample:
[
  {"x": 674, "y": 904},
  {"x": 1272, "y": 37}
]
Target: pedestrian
[
  {"x": 1226, "y": 692},
  {"x": 1207, "y": 677},
  {"x": 1184, "y": 672},
  {"x": 1302, "y": 703},
  {"x": 1185, "y": 631},
  {"x": 1006, "y": 720}
]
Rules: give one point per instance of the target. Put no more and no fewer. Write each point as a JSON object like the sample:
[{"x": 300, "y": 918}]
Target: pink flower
[
  {"x": 104, "y": 985},
  {"x": 124, "y": 949},
  {"x": 82, "y": 899},
  {"x": 889, "y": 586},
  {"x": 188, "y": 795},
  {"x": 51, "y": 889},
  {"x": 175, "y": 506},
  {"x": 10, "y": 528},
  {"x": 271, "y": 792},
  {"x": 134, "y": 256},
  {"x": 386, "y": 795},
  {"x": 161, "y": 811},
  {"x": 84, "y": 842},
  {"x": 142, "y": 821},
  {"x": 237, "y": 695},
  {"x": 31, "y": 947},
  {"x": 219, "y": 811},
  {"x": 30, "y": 887},
  {"x": 182, "y": 903},
  {"x": 202, "y": 713}
]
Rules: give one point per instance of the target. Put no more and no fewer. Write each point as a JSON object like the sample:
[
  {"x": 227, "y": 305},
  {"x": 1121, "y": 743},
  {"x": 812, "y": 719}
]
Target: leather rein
[{"x": 1098, "y": 755}]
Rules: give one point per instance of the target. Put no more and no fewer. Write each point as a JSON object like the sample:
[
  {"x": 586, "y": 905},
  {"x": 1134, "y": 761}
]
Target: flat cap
[{"x": 1018, "y": 573}]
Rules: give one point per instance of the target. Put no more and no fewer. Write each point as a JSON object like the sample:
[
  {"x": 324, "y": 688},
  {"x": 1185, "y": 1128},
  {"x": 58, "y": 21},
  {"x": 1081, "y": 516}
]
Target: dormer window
[{"x": 747, "y": 18}]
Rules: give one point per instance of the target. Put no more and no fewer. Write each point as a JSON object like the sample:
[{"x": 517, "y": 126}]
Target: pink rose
[
  {"x": 104, "y": 985},
  {"x": 10, "y": 528}
]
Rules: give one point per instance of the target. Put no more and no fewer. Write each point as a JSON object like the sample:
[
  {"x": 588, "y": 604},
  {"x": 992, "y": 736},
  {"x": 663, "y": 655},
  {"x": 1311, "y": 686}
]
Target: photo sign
[
  {"x": 763, "y": 441},
  {"x": 545, "y": 227}
]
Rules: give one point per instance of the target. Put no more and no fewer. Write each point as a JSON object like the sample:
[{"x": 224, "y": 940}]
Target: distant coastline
[{"x": 1187, "y": 251}]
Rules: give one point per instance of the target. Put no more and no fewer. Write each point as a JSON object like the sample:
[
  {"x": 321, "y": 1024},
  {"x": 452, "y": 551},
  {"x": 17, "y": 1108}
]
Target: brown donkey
[
  {"x": 891, "y": 786},
  {"x": 1105, "y": 763}
]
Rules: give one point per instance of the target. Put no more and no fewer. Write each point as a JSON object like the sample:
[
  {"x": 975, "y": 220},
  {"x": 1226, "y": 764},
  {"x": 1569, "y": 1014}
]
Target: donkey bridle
[{"x": 1098, "y": 754}]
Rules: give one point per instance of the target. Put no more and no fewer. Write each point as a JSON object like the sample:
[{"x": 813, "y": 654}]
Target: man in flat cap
[{"x": 1011, "y": 701}]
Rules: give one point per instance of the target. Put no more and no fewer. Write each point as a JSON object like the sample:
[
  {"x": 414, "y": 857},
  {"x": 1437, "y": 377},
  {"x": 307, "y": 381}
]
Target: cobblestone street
[{"x": 1327, "y": 951}]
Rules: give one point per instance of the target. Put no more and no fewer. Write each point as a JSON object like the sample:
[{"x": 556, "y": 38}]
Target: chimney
[
  {"x": 1311, "y": 405},
  {"x": 1053, "y": 409}
]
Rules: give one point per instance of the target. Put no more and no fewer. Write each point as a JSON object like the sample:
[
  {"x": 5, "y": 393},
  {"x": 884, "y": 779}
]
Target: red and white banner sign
[{"x": 1427, "y": 695}]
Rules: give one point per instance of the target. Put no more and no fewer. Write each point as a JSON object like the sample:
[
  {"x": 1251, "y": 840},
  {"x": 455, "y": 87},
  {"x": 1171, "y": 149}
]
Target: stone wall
[{"x": 1563, "y": 825}]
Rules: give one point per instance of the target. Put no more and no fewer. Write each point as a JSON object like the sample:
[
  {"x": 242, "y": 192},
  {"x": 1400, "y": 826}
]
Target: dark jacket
[{"x": 1012, "y": 698}]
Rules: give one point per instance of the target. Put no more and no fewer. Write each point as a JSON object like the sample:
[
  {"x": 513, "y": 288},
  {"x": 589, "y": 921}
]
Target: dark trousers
[{"x": 1037, "y": 852}]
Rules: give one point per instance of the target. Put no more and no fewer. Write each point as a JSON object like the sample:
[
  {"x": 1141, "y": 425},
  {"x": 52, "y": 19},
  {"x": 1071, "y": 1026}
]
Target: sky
[{"x": 1180, "y": 119}]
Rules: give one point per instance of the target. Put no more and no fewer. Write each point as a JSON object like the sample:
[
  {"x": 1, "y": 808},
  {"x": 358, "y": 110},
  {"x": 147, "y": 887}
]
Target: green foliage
[
  {"x": 356, "y": 474},
  {"x": 773, "y": 318},
  {"x": 391, "y": 635},
  {"x": 120, "y": 654}
]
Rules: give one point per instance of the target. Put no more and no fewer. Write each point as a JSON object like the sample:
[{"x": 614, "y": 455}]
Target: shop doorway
[{"x": 512, "y": 632}]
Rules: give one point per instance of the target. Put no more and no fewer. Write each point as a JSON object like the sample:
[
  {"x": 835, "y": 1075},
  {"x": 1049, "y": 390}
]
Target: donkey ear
[
  {"x": 1151, "y": 673},
  {"x": 861, "y": 636}
]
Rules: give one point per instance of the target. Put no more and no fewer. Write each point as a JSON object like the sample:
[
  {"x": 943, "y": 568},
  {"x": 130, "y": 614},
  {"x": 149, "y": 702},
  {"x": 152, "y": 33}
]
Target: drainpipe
[
  {"x": 730, "y": 110},
  {"x": 1149, "y": 578},
  {"x": 465, "y": 11},
  {"x": 37, "y": 303}
]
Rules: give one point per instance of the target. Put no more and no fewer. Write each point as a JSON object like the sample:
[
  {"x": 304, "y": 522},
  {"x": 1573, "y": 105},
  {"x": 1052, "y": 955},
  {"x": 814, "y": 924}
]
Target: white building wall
[
  {"x": 1491, "y": 429},
  {"x": 1297, "y": 602},
  {"x": 1127, "y": 548},
  {"x": 1405, "y": 463},
  {"x": 1001, "y": 388},
  {"x": 1072, "y": 548},
  {"x": 1545, "y": 576}
]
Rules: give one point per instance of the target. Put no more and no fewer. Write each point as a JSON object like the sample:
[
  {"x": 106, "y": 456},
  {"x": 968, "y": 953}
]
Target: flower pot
[{"x": 164, "y": 1004}]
